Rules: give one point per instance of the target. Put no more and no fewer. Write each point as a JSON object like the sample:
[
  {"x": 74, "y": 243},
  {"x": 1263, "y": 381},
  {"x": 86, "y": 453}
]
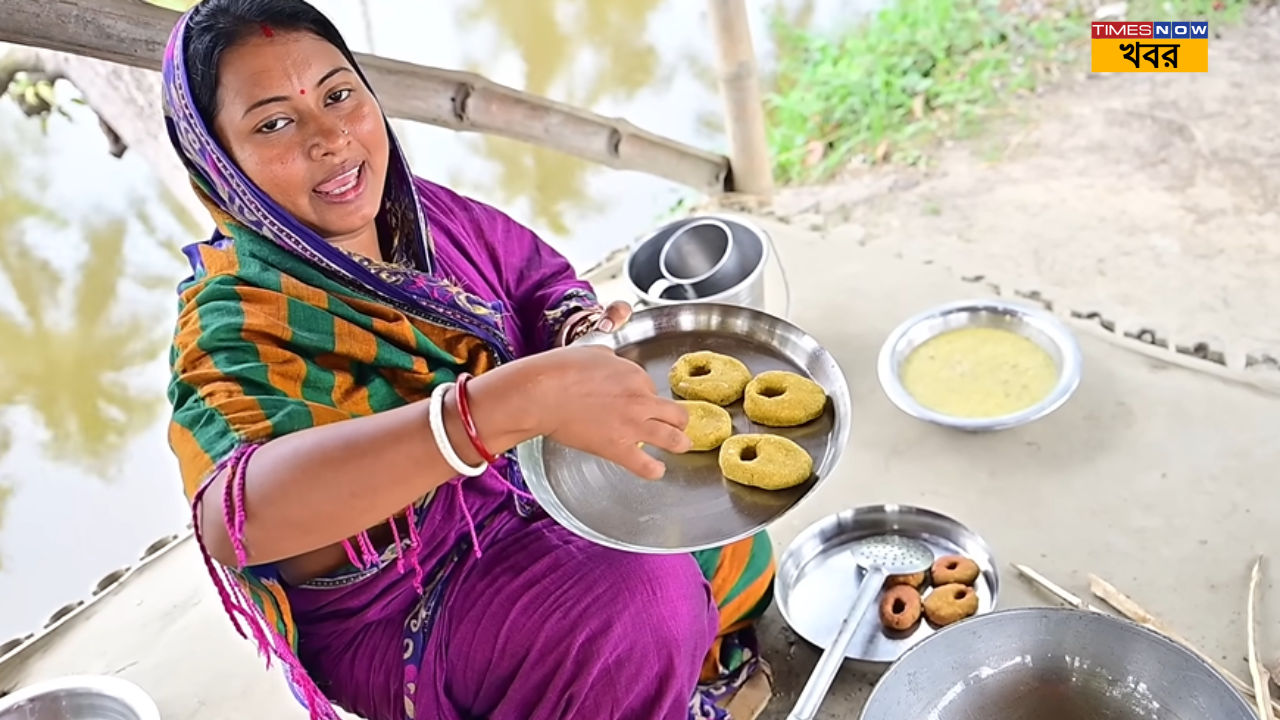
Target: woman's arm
[
  {"x": 308, "y": 474},
  {"x": 313, "y": 488}
]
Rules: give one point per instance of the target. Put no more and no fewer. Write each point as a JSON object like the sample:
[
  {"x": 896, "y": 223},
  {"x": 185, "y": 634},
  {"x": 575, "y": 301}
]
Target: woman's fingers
[
  {"x": 635, "y": 459},
  {"x": 670, "y": 412},
  {"x": 615, "y": 316},
  {"x": 664, "y": 436}
]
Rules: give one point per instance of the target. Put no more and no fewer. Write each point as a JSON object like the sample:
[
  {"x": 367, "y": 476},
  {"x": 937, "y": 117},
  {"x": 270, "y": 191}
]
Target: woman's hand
[
  {"x": 585, "y": 322},
  {"x": 615, "y": 316},
  {"x": 590, "y": 399}
]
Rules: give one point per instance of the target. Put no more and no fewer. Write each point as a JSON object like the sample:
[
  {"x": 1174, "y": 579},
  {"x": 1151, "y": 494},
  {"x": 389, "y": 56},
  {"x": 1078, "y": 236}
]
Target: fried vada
[
  {"x": 900, "y": 608},
  {"x": 778, "y": 398},
  {"x": 709, "y": 425},
  {"x": 955, "y": 569},
  {"x": 914, "y": 580},
  {"x": 950, "y": 604},
  {"x": 710, "y": 377},
  {"x": 768, "y": 462}
]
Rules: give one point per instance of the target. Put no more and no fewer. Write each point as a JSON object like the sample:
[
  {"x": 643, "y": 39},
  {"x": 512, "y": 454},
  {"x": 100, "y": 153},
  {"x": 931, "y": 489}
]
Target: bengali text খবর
[{"x": 1136, "y": 52}]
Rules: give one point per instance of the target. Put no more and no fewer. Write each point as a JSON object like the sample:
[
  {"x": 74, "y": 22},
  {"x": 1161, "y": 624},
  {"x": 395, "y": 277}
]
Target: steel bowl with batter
[
  {"x": 1052, "y": 664},
  {"x": 1038, "y": 326}
]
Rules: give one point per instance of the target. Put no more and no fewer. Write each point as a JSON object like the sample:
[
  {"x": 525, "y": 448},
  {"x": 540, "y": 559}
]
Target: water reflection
[
  {"x": 18, "y": 204},
  {"x": 584, "y": 54},
  {"x": 68, "y": 340},
  {"x": 6, "y": 492},
  {"x": 649, "y": 61},
  {"x": 86, "y": 290}
]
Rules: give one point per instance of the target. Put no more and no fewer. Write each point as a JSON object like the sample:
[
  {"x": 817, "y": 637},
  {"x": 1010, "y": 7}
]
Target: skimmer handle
[{"x": 824, "y": 673}]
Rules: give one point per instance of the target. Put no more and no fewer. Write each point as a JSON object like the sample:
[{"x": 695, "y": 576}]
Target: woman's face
[{"x": 301, "y": 125}]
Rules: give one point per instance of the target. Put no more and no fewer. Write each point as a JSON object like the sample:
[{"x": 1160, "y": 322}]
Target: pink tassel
[
  {"x": 229, "y": 592},
  {"x": 366, "y": 550},
  {"x": 395, "y": 536},
  {"x": 228, "y": 607},
  {"x": 234, "y": 496},
  {"x": 235, "y": 598},
  {"x": 409, "y": 515},
  {"x": 254, "y": 619},
  {"x": 466, "y": 513},
  {"x": 351, "y": 555},
  {"x": 414, "y": 542}
]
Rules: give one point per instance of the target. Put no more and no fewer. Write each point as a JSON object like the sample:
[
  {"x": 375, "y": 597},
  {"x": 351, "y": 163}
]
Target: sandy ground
[{"x": 1148, "y": 199}]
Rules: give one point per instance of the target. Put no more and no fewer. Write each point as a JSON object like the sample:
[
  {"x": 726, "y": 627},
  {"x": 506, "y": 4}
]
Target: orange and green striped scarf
[
  {"x": 267, "y": 345},
  {"x": 741, "y": 576}
]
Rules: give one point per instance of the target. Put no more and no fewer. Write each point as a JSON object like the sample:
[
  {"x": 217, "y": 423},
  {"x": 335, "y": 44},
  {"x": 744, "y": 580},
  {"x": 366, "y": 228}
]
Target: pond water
[{"x": 89, "y": 253}]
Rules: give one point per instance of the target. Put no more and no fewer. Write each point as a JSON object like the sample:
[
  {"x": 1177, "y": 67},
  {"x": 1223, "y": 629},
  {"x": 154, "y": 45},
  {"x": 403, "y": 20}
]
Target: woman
[{"x": 356, "y": 354}]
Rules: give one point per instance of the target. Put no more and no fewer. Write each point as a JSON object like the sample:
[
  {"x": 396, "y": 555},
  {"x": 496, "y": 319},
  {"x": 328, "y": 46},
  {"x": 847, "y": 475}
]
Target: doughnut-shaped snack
[
  {"x": 955, "y": 569},
  {"x": 914, "y": 580},
  {"x": 709, "y": 425},
  {"x": 708, "y": 376},
  {"x": 900, "y": 607},
  {"x": 950, "y": 603},
  {"x": 778, "y": 398},
  {"x": 768, "y": 462}
]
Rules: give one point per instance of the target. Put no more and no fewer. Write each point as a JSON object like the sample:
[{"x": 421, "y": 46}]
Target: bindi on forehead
[{"x": 267, "y": 32}]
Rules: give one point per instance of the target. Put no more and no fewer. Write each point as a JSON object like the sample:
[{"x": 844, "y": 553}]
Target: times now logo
[
  {"x": 1123, "y": 30},
  {"x": 1150, "y": 30}
]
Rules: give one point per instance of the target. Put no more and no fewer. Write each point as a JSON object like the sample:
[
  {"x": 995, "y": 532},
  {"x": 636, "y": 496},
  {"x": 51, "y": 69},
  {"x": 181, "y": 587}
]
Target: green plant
[
  {"x": 910, "y": 71},
  {"x": 36, "y": 96},
  {"x": 1218, "y": 11},
  {"x": 923, "y": 69}
]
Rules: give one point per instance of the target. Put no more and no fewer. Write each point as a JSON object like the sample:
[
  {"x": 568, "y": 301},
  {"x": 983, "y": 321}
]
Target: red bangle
[{"x": 469, "y": 423}]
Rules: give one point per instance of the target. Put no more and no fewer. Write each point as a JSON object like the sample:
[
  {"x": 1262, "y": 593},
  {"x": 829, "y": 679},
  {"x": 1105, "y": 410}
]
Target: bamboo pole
[
  {"x": 740, "y": 92},
  {"x": 134, "y": 33}
]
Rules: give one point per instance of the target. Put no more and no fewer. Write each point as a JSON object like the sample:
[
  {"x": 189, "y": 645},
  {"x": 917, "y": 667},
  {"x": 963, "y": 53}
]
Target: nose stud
[{"x": 344, "y": 131}]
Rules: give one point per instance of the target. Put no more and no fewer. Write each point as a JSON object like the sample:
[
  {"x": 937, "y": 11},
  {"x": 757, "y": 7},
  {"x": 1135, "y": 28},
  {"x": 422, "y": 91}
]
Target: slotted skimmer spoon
[{"x": 882, "y": 556}]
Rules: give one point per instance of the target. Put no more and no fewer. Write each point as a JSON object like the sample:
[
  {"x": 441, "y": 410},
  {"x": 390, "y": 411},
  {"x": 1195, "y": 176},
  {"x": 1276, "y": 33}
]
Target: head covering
[{"x": 232, "y": 196}]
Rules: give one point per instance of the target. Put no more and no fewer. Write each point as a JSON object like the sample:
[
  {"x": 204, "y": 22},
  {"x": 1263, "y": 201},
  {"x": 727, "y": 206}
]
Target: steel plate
[
  {"x": 818, "y": 579},
  {"x": 692, "y": 507}
]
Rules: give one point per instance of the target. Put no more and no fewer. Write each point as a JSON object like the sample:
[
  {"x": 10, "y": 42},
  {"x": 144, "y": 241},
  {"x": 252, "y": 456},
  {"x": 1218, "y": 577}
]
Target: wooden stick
[
  {"x": 1130, "y": 609},
  {"x": 134, "y": 33},
  {"x": 1055, "y": 589},
  {"x": 1261, "y": 692},
  {"x": 740, "y": 92}
]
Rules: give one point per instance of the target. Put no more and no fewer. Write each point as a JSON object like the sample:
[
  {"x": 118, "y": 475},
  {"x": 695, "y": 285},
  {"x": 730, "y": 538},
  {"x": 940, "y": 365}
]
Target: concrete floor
[{"x": 1156, "y": 476}]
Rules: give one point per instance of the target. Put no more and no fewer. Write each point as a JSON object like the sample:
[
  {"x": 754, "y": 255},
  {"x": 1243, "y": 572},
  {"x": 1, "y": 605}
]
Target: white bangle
[{"x": 442, "y": 435}]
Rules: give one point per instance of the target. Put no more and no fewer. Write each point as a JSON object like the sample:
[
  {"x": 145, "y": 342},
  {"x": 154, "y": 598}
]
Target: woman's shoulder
[
  {"x": 442, "y": 203},
  {"x": 222, "y": 267},
  {"x": 228, "y": 257}
]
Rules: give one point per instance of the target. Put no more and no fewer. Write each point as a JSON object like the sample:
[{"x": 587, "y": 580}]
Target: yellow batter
[{"x": 978, "y": 373}]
